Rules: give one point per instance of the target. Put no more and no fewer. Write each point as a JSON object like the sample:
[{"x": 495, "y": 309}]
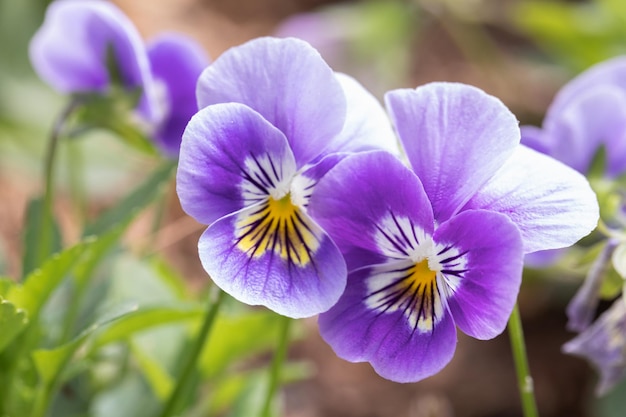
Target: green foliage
[
  {"x": 237, "y": 337},
  {"x": 140, "y": 198},
  {"x": 578, "y": 34},
  {"x": 32, "y": 233},
  {"x": 12, "y": 322}
]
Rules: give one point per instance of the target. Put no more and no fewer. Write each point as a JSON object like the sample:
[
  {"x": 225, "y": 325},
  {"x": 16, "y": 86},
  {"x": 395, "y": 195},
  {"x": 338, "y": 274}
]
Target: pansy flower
[
  {"x": 84, "y": 46},
  {"x": 441, "y": 244},
  {"x": 274, "y": 118},
  {"x": 587, "y": 113},
  {"x": 586, "y": 116},
  {"x": 604, "y": 345}
]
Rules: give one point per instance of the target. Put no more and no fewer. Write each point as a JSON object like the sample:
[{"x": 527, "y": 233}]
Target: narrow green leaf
[
  {"x": 39, "y": 284},
  {"x": 170, "y": 277},
  {"x": 134, "y": 202},
  {"x": 145, "y": 318},
  {"x": 32, "y": 232},
  {"x": 156, "y": 375},
  {"x": 50, "y": 363},
  {"x": 12, "y": 322},
  {"x": 236, "y": 338}
]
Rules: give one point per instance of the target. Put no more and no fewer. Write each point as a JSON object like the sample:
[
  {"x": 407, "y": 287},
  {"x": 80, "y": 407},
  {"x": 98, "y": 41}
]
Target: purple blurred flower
[
  {"x": 442, "y": 245},
  {"x": 72, "y": 50},
  {"x": 274, "y": 117},
  {"x": 587, "y": 113},
  {"x": 604, "y": 345}
]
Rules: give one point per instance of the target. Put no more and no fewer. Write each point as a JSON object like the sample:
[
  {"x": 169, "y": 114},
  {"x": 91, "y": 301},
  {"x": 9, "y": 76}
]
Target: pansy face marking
[
  {"x": 419, "y": 277},
  {"x": 279, "y": 223},
  {"x": 281, "y": 227}
]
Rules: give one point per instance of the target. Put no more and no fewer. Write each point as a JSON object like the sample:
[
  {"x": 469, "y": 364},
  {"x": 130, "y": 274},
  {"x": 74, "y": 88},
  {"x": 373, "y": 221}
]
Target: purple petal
[
  {"x": 368, "y": 196},
  {"x": 551, "y": 204},
  {"x": 455, "y": 136},
  {"x": 610, "y": 73},
  {"x": 294, "y": 270},
  {"x": 534, "y": 138},
  {"x": 367, "y": 126},
  {"x": 582, "y": 308},
  {"x": 603, "y": 344},
  {"x": 176, "y": 62},
  {"x": 69, "y": 51},
  {"x": 230, "y": 157},
  {"x": 485, "y": 280},
  {"x": 395, "y": 348},
  {"x": 287, "y": 82},
  {"x": 594, "y": 118}
]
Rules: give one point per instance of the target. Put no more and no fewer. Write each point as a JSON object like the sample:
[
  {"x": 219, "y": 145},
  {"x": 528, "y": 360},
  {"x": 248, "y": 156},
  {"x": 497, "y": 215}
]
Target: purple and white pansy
[
  {"x": 441, "y": 244},
  {"x": 274, "y": 119},
  {"x": 79, "y": 42}
]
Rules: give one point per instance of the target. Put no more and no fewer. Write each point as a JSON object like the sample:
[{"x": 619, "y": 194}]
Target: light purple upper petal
[
  {"x": 361, "y": 191},
  {"x": 593, "y": 118},
  {"x": 69, "y": 51},
  {"x": 176, "y": 62},
  {"x": 258, "y": 274},
  {"x": 287, "y": 82},
  {"x": 551, "y": 204},
  {"x": 229, "y": 157},
  {"x": 489, "y": 273},
  {"x": 367, "y": 126},
  {"x": 455, "y": 136},
  {"x": 610, "y": 73},
  {"x": 396, "y": 350}
]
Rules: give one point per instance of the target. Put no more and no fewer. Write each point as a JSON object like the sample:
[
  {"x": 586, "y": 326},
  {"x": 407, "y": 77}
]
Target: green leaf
[
  {"x": 619, "y": 259},
  {"x": 32, "y": 232},
  {"x": 156, "y": 375},
  {"x": 145, "y": 318},
  {"x": 139, "y": 199},
  {"x": 39, "y": 284},
  {"x": 236, "y": 338},
  {"x": 50, "y": 363},
  {"x": 12, "y": 322}
]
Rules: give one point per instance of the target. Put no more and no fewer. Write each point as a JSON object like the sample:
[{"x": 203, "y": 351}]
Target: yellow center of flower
[
  {"x": 411, "y": 289},
  {"x": 280, "y": 227}
]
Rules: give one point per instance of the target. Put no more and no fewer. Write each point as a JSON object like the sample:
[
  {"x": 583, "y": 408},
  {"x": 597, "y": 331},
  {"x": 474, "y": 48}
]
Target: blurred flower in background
[{"x": 90, "y": 47}]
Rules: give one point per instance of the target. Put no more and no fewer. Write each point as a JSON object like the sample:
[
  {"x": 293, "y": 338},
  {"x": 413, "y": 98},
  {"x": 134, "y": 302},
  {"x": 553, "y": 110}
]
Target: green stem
[
  {"x": 277, "y": 363},
  {"x": 524, "y": 380},
  {"x": 190, "y": 365},
  {"x": 45, "y": 248}
]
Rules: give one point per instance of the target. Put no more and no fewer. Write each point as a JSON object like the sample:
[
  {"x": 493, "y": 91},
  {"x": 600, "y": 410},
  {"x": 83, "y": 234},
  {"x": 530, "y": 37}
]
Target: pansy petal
[
  {"x": 611, "y": 73},
  {"x": 455, "y": 136},
  {"x": 69, "y": 51},
  {"x": 367, "y": 126},
  {"x": 395, "y": 347},
  {"x": 485, "y": 276},
  {"x": 583, "y": 306},
  {"x": 551, "y": 204},
  {"x": 276, "y": 257},
  {"x": 286, "y": 81},
  {"x": 176, "y": 63},
  {"x": 535, "y": 138},
  {"x": 594, "y": 118},
  {"x": 230, "y": 158},
  {"x": 603, "y": 345},
  {"x": 372, "y": 206}
]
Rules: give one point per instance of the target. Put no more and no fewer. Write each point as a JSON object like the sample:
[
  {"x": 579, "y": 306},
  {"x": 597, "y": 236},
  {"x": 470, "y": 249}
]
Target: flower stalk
[
  {"x": 524, "y": 379},
  {"x": 45, "y": 237},
  {"x": 277, "y": 363},
  {"x": 183, "y": 381}
]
